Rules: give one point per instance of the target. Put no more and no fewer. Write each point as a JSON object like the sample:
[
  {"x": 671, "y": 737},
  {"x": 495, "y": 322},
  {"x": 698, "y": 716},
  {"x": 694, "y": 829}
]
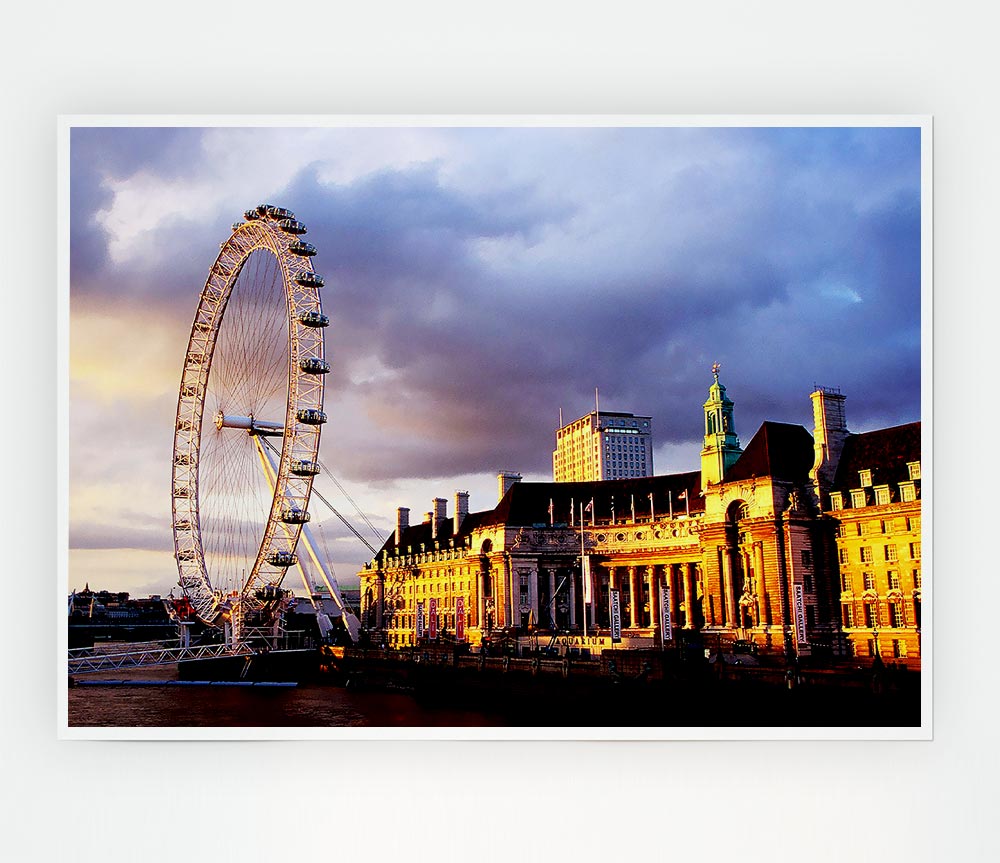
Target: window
[
  {"x": 869, "y": 579},
  {"x": 907, "y": 492},
  {"x": 845, "y": 582},
  {"x": 806, "y": 557},
  {"x": 914, "y": 551},
  {"x": 866, "y": 554},
  {"x": 843, "y": 555},
  {"x": 896, "y": 615},
  {"x": 882, "y": 495},
  {"x": 893, "y": 580},
  {"x": 836, "y": 500},
  {"x": 810, "y": 615},
  {"x": 890, "y": 553},
  {"x": 858, "y": 498},
  {"x": 913, "y": 524},
  {"x": 865, "y": 478},
  {"x": 916, "y": 578},
  {"x": 848, "y": 615},
  {"x": 898, "y": 649},
  {"x": 807, "y": 582},
  {"x": 871, "y": 615},
  {"x": 914, "y": 469}
]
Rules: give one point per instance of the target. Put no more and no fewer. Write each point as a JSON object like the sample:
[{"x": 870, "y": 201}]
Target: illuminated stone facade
[{"x": 767, "y": 555}]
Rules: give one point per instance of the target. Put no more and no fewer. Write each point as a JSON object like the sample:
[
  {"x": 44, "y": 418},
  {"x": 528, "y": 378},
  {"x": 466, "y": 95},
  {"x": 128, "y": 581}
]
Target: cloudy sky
[{"x": 478, "y": 280}]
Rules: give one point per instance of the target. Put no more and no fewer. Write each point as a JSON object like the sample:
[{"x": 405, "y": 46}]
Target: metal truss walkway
[{"x": 146, "y": 653}]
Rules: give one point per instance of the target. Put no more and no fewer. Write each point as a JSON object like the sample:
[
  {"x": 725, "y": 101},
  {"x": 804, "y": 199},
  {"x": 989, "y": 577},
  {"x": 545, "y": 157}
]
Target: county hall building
[{"x": 796, "y": 544}]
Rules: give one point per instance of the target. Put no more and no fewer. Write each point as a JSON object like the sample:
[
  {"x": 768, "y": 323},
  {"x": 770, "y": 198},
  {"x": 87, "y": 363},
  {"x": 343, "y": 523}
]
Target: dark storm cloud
[
  {"x": 786, "y": 273},
  {"x": 468, "y": 308},
  {"x": 100, "y": 155}
]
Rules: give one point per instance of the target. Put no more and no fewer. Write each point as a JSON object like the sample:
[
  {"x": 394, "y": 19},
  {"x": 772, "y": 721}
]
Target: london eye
[{"x": 248, "y": 422}]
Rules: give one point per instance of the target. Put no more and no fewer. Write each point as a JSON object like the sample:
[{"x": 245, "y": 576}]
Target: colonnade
[{"x": 544, "y": 592}]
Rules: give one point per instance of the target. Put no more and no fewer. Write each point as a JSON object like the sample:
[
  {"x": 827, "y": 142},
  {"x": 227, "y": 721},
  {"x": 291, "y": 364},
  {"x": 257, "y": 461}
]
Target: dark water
[{"x": 306, "y": 705}]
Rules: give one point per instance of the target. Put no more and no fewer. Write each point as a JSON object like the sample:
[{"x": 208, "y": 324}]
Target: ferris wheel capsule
[
  {"x": 313, "y": 319},
  {"x": 279, "y": 213},
  {"x": 294, "y": 515},
  {"x": 290, "y": 226},
  {"x": 310, "y": 416},
  {"x": 282, "y": 558},
  {"x": 314, "y": 366},
  {"x": 302, "y": 248},
  {"x": 309, "y": 279}
]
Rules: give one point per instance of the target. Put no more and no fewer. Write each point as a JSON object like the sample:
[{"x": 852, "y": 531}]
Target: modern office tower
[{"x": 603, "y": 445}]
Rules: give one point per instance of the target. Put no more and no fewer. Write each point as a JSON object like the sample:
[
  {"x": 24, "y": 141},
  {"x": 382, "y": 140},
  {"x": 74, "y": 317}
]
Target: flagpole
[{"x": 583, "y": 574}]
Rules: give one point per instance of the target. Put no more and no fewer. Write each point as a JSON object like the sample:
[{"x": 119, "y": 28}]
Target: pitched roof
[
  {"x": 884, "y": 452},
  {"x": 779, "y": 450},
  {"x": 527, "y": 503}
]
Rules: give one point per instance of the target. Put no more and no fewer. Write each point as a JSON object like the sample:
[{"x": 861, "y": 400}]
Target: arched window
[{"x": 737, "y": 511}]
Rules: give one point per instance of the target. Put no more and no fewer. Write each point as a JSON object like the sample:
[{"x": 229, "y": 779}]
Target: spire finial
[{"x": 715, "y": 370}]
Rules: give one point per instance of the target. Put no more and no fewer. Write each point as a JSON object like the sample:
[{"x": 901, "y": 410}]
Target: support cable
[
  {"x": 357, "y": 509},
  {"x": 332, "y": 508}
]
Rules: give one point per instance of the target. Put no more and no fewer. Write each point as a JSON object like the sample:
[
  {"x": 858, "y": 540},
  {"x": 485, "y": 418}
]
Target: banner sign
[
  {"x": 420, "y": 620},
  {"x": 460, "y": 618},
  {"x": 433, "y": 628},
  {"x": 616, "y": 615},
  {"x": 667, "y": 627},
  {"x": 587, "y": 587},
  {"x": 800, "y": 615}
]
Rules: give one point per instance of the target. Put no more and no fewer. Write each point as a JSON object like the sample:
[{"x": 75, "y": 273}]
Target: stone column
[
  {"x": 509, "y": 601},
  {"x": 532, "y": 594},
  {"x": 481, "y": 600},
  {"x": 654, "y": 599},
  {"x": 633, "y": 585},
  {"x": 731, "y": 617},
  {"x": 572, "y": 598},
  {"x": 765, "y": 606},
  {"x": 688, "y": 579},
  {"x": 553, "y": 603},
  {"x": 673, "y": 573},
  {"x": 380, "y": 603}
]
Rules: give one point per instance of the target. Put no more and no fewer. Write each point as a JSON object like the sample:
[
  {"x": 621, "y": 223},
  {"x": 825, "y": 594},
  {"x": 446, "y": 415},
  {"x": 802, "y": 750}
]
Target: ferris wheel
[{"x": 247, "y": 430}]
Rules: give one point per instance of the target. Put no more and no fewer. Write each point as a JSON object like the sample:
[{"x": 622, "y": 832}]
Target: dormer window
[
  {"x": 858, "y": 498},
  {"x": 866, "y": 478},
  {"x": 836, "y": 500},
  {"x": 907, "y": 492},
  {"x": 914, "y": 468},
  {"x": 881, "y": 495}
]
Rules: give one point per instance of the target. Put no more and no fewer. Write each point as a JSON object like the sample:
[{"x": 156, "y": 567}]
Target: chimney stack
[
  {"x": 402, "y": 523},
  {"x": 439, "y": 515},
  {"x": 829, "y": 434},
  {"x": 461, "y": 510},
  {"x": 505, "y": 479}
]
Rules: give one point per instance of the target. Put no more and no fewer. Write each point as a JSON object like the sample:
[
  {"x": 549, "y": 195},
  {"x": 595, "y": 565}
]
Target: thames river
[{"x": 305, "y": 705}]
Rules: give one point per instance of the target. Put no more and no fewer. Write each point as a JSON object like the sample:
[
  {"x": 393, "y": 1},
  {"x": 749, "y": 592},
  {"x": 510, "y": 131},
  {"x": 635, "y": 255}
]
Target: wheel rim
[{"x": 249, "y": 356}]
